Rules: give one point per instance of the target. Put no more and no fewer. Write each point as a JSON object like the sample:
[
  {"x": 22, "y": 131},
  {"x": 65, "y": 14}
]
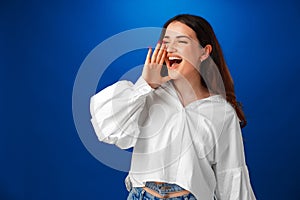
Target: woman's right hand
[{"x": 153, "y": 64}]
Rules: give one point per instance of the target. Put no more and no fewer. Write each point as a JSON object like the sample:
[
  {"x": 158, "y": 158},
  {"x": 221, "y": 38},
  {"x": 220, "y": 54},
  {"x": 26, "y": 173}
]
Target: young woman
[{"x": 185, "y": 126}]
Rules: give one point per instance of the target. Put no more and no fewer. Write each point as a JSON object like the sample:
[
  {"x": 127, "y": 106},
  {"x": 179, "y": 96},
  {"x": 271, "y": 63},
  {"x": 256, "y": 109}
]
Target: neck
[{"x": 190, "y": 89}]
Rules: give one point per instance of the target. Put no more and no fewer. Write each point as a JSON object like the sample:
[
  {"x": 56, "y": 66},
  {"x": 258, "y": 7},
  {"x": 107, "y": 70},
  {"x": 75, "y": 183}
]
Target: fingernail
[{"x": 149, "y": 47}]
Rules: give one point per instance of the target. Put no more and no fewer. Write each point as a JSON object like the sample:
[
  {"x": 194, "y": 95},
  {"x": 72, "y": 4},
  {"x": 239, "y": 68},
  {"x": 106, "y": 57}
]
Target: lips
[{"x": 173, "y": 60}]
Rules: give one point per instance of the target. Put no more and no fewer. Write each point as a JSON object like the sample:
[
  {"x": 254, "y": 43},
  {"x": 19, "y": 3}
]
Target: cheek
[
  {"x": 190, "y": 68},
  {"x": 192, "y": 56}
]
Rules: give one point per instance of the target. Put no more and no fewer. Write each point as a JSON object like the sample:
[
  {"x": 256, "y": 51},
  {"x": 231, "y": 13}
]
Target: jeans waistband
[{"x": 163, "y": 188}]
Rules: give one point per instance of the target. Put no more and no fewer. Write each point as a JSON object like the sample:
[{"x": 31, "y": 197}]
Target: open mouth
[{"x": 174, "y": 60}]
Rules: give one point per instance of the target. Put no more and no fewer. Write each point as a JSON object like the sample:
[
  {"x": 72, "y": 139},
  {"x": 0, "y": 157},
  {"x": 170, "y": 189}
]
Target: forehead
[{"x": 177, "y": 28}]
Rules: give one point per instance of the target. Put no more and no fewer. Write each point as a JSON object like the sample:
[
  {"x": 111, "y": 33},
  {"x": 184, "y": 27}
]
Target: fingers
[
  {"x": 153, "y": 64},
  {"x": 148, "y": 58},
  {"x": 158, "y": 54},
  {"x": 154, "y": 55},
  {"x": 163, "y": 56}
]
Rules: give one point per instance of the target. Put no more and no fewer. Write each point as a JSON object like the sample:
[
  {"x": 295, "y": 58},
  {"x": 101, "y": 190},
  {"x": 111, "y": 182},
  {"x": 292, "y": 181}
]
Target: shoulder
[
  {"x": 218, "y": 112},
  {"x": 220, "y": 104}
]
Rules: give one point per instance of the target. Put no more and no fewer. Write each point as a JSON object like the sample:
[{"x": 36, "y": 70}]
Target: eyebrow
[{"x": 179, "y": 36}]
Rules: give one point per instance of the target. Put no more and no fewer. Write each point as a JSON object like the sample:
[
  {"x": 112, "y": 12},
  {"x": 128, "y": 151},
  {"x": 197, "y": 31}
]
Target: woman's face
[{"x": 183, "y": 51}]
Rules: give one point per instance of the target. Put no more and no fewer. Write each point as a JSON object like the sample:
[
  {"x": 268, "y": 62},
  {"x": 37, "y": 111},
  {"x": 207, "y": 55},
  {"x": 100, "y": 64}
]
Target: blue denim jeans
[{"x": 138, "y": 193}]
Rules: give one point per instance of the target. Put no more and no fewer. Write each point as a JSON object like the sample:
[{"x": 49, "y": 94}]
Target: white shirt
[{"x": 198, "y": 147}]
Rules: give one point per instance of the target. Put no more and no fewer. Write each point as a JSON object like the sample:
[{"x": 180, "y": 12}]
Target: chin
[{"x": 174, "y": 74}]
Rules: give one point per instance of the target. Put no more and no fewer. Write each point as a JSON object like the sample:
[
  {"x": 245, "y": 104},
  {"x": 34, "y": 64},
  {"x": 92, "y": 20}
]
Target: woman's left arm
[{"x": 233, "y": 181}]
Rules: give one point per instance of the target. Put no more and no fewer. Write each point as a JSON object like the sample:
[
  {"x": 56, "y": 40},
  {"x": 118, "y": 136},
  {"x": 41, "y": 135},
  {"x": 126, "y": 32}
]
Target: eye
[
  {"x": 182, "y": 42},
  {"x": 166, "y": 42}
]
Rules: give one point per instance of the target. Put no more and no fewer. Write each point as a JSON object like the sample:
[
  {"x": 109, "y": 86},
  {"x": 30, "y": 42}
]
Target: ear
[{"x": 206, "y": 52}]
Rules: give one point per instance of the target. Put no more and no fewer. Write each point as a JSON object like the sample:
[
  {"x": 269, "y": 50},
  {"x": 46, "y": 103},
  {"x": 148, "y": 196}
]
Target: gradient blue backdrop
[{"x": 43, "y": 44}]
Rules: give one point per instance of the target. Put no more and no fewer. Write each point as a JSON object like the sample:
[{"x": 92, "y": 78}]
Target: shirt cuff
[{"x": 142, "y": 88}]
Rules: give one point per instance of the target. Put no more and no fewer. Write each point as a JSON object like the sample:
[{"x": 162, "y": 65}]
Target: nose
[{"x": 171, "y": 47}]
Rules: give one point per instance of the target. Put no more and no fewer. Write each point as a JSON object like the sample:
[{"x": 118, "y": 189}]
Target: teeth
[{"x": 174, "y": 58}]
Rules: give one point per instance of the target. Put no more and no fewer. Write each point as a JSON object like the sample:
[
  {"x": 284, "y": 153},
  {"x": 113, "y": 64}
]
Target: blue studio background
[{"x": 43, "y": 44}]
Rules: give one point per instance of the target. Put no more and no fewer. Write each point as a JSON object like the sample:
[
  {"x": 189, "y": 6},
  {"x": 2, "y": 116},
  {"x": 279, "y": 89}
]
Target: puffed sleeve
[
  {"x": 233, "y": 182},
  {"x": 115, "y": 112}
]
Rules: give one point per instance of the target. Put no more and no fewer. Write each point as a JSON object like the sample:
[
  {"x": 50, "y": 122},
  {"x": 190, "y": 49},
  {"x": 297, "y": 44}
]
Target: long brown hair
[{"x": 214, "y": 71}]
